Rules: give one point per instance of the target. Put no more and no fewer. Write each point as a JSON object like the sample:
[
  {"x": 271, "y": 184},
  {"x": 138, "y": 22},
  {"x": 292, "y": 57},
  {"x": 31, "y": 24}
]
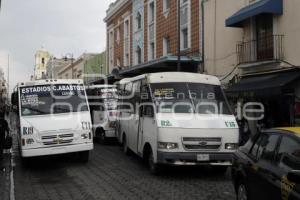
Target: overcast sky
[{"x": 60, "y": 26}]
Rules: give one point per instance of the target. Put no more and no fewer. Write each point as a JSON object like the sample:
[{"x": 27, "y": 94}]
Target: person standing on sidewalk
[{"x": 3, "y": 129}]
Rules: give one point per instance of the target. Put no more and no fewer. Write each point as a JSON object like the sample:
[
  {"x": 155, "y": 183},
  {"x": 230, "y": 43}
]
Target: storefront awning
[
  {"x": 260, "y": 7},
  {"x": 265, "y": 84}
]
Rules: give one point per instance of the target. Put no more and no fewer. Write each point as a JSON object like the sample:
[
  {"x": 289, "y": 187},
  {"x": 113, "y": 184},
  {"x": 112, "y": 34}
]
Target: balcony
[{"x": 266, "y": 48}]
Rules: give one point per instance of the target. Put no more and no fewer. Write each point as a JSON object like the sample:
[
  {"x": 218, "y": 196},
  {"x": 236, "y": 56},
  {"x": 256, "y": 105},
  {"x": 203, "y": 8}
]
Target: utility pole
[
  {"x": 178, "y": 37},
  {"x": 72, "y": 71},
  {"x": 8, "y": 76}
]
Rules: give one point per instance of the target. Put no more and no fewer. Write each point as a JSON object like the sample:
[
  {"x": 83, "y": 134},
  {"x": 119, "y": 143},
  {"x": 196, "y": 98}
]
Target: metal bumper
[
  {"x": 57, "y": 150},
  {"x": 190, "y": 158}
]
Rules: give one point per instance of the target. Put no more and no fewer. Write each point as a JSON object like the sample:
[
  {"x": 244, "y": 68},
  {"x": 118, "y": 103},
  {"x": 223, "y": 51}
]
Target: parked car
[{"x": 268, "y": 166}]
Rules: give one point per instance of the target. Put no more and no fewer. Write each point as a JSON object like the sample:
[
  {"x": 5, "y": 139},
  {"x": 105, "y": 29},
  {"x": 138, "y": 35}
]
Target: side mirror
[{"x": 294, "y": 176}]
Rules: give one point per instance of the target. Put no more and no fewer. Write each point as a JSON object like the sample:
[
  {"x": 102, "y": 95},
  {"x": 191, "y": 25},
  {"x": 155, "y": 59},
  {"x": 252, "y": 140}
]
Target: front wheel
[
  {"x": 125, "y": 146},
  {"x": 242, "y": 193},
  {"x": 102, "y": 137},
  {"x": 153, "y": 167},
  {"x": 84, "y": 156}
]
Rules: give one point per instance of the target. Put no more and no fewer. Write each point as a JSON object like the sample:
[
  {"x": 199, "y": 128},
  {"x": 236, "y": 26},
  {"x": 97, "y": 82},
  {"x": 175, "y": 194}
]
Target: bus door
[
  {"x": 135, "y": 117},
  {"x": 147, "y": 128}
]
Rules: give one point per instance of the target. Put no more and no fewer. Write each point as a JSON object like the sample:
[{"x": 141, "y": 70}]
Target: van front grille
[
  {"x": 57, "y": 139},
  {"x": 201, "y": 143}
]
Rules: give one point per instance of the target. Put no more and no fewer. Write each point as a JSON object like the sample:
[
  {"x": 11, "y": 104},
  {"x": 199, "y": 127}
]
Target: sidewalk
[{"x": 5, "y": 169}]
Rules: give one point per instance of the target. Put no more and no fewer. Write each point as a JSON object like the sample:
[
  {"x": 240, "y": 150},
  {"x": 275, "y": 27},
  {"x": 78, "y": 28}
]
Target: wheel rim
[{"x": 242, "y": 193}]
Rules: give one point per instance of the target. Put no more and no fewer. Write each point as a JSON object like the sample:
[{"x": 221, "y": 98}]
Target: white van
[
  {"x": 53, "y": 118},
  {"x": 177, "y": 118},
  {"x": 103, "y": 108}
]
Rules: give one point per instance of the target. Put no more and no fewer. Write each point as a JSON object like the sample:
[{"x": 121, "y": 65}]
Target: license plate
[{"x": 202, "y": 157}]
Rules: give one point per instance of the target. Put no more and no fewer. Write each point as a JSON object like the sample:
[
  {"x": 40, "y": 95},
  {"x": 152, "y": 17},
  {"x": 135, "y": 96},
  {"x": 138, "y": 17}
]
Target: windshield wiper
[{"x": 34, "y": 110}]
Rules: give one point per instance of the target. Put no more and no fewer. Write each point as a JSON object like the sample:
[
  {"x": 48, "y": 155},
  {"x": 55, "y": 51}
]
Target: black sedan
[{"x": 268, "y": 166}]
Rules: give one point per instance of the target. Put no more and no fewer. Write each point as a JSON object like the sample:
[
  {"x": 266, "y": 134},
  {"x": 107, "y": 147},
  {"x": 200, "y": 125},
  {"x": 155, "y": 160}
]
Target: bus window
[
  {"x": 189, "y": 97},
  {"x": 47, "y": 99},
  {"x": 148, "y": 111}
]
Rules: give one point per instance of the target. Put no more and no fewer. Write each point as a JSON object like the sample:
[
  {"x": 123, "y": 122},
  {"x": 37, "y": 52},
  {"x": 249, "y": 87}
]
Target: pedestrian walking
[{"x": 4, "y": 131}]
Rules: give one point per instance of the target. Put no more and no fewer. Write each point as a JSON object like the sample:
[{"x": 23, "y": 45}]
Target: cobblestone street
[{"x": 113, "y": 175}]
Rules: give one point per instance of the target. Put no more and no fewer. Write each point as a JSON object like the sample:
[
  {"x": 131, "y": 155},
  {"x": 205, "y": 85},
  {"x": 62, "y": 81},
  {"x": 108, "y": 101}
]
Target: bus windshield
[
  {"x": 106, "y": 97},
  {"x": 52, "y": 99},
  {"x": 189, "y": 98}
]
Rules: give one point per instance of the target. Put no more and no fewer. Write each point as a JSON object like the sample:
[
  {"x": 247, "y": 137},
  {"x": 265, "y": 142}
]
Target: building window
[
  {"x": 185, "y": 25},
  {"x": 138, "y": 55},
  {"x": 79, "y": 74},
  {"x": 184, "y": 38},
  {"x": 152, "y": 50},
  {"x": 118, "y": 35},
  {"x": 139, "y": 20},
  {"x": 111, "y": 48},
  {"x": 166, "y": 46},
  {"x": 166, "y": 5},
  {"x": 151, "y": 12},
  {"x": 151, "y": 30},
  {"x": 118, "y": 62},
  {"x": 126, "y": 42},
  {"x": 43, "y": 61}
]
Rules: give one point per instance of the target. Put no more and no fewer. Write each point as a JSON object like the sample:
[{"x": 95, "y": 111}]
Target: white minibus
[
  {"x": 103, "y": 108},
  {"x": 53, "y": 118},
  {"x": 176, "y": 118}
]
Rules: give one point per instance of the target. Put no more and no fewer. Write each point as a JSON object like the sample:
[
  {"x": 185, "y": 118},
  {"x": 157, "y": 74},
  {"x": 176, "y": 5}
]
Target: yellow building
[{"x": 41, "y": 58}]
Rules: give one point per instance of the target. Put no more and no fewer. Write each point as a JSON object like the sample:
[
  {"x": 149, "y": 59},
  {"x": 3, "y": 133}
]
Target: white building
[{"x": 54, "y": 65}]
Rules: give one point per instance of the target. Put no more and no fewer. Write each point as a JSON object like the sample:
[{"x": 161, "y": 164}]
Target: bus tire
[
  {"x": 102, "y": 137},
  {"x": 84, "y": 156},
  {"x": 154, "y": 168},
  {"x": 125, "y": 148},
  {"x": 242, "y": 191}
]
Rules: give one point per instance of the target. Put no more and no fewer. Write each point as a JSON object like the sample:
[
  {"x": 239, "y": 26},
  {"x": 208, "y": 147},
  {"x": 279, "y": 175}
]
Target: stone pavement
[{"x": 5, "y": 169}]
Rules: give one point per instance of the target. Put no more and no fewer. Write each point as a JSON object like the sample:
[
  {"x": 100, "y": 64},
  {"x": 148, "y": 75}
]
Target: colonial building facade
[
  {"x": 95, "y": 68},
  {"x": 142, "y": 36},
  {"x": 267, "y": 58},
  {"x": 75, "y": 70},
  {"x": 54, "y": 65}
]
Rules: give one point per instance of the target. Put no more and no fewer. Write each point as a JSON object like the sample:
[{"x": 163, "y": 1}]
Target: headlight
[
  {"x": 167, "y": 145},
  {"x": 85, "y": 136},
  {"x": 231, "y": 146}
]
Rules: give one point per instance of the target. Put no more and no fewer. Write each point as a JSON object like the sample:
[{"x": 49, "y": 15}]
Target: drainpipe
[
  {"x": 202, "y": 68},
  {"x": 178, "y": 37}
]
